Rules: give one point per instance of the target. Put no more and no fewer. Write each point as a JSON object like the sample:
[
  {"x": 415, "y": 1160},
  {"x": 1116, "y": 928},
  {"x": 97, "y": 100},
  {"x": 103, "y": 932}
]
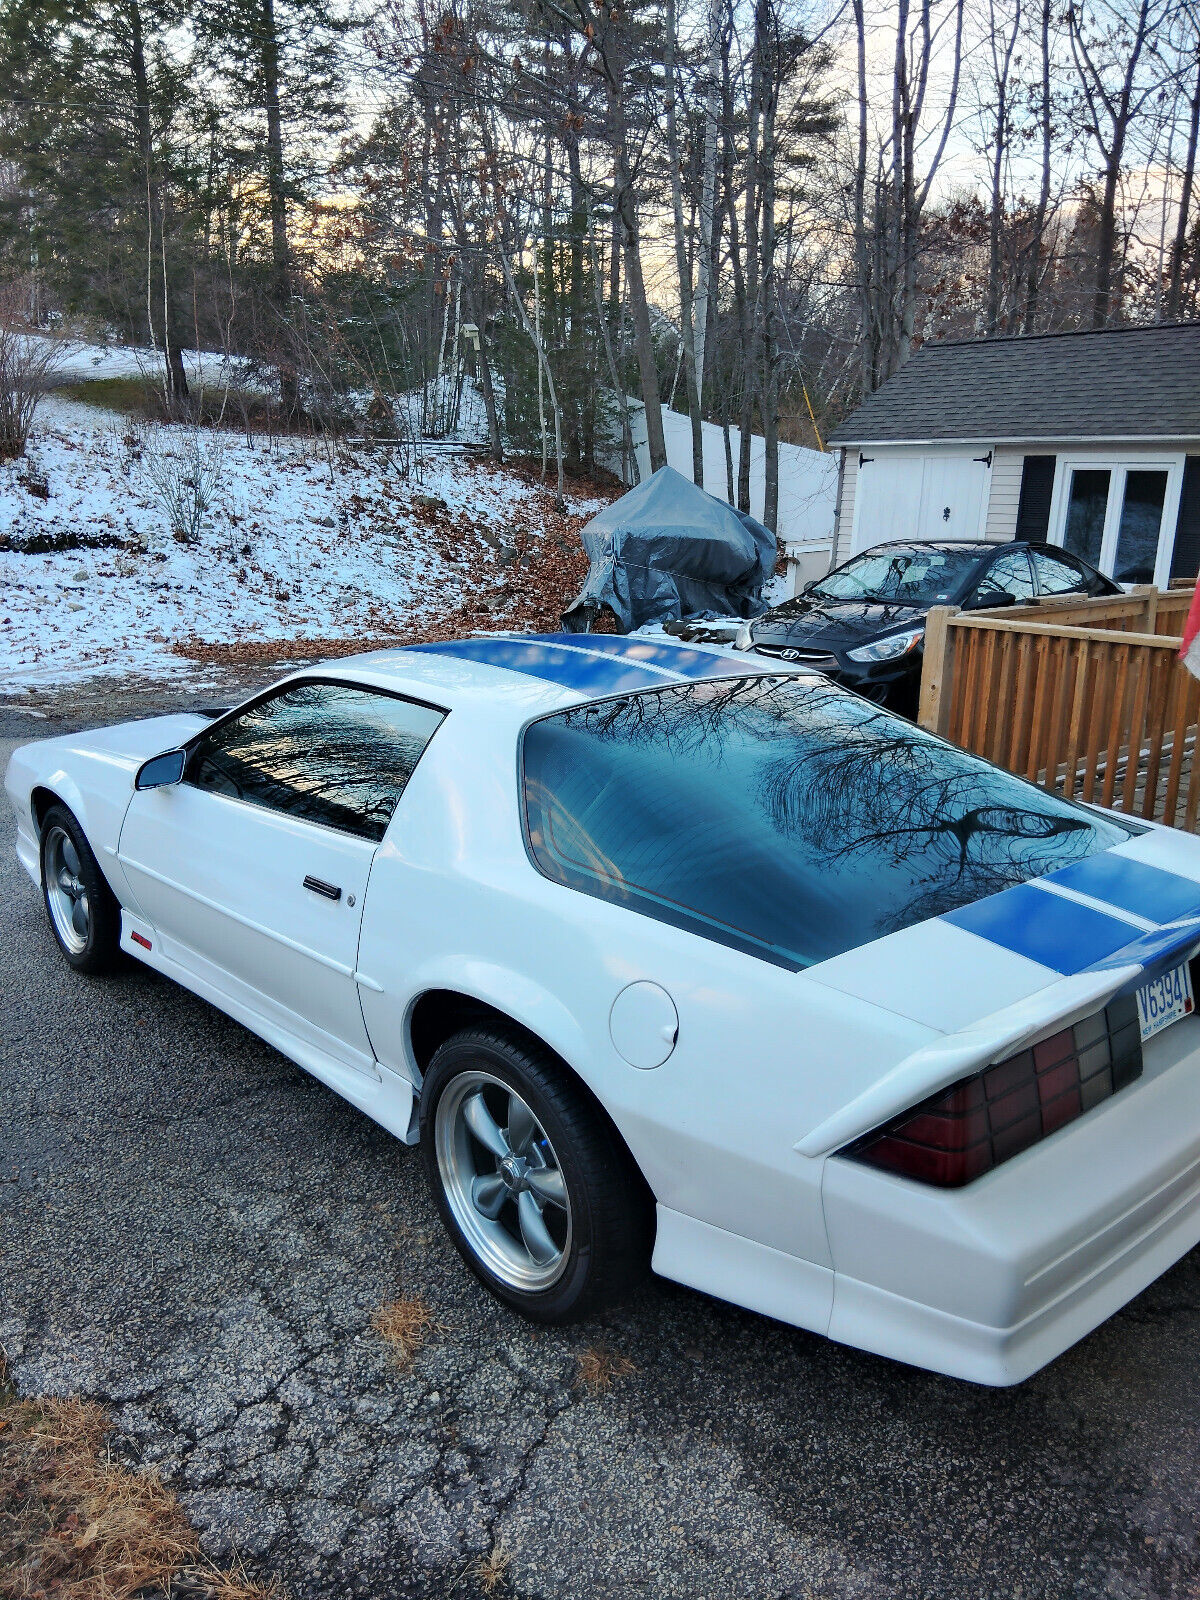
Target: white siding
[
  {"x": 845, "y": 512},
  {"x": 1005, "y": 495}
]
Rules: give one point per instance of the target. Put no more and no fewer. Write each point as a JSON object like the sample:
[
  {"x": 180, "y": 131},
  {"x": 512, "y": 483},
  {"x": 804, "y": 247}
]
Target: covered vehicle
[{"x": 666, "y": 550}]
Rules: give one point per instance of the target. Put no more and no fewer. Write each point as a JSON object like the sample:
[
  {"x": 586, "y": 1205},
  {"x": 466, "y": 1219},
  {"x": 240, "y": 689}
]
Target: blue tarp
[{"x": 667, "y": 550}]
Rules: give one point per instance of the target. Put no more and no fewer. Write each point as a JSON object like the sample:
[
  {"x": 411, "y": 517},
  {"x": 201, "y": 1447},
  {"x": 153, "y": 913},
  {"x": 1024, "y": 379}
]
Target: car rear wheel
[
  {"x": 83, "y": 911},
  {"x": 535, "y": 1189}
]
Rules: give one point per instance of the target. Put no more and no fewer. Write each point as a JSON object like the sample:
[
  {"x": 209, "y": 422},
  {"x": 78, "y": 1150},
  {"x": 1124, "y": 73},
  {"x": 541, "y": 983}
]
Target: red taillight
[{"x": 963, "y": 1132}]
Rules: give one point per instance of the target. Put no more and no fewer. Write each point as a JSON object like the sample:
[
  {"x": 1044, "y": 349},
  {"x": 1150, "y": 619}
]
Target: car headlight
[
  {"x": 896, "y": 644},
  {"x": 743, "y": 639}
]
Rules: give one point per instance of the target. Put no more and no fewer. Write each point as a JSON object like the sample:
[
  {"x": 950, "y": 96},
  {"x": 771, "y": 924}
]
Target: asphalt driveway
[{"x": 197, "y": 1233}]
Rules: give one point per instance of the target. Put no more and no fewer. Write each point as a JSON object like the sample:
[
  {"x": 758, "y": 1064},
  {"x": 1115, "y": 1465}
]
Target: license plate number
[{"x": 1164, "y": 1000}]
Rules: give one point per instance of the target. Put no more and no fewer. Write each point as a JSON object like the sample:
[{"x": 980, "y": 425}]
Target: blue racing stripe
[
  {"x": 1132, "y": 886},
  {"x": 653, "y": 652},
  {"x": 593, "y": 663},
  {"x": 1045, "y": 927},
  {"x": 1156, "y": 952},
  {"x": 537, "y": 658}
]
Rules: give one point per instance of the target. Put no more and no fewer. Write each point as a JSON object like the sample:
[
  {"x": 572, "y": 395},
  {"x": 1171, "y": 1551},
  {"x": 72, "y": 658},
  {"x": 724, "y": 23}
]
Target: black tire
[
  {"x": 607, "y": 1248},
  {"x": 99, "y": 948}
]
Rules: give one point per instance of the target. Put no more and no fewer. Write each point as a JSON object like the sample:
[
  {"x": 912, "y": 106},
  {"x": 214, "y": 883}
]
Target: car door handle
[{"x": 319, "y": 886}]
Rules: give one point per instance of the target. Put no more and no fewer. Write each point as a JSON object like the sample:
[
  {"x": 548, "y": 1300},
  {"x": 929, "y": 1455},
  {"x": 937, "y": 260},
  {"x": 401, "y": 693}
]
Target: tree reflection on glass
[
  {"x": 783, "y": 816},
  {"x": 327, "y": 752}
]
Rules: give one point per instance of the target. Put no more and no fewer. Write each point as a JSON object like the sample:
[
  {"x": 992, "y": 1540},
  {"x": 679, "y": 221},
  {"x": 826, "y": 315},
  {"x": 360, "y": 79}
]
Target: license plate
[{"x": 1164, "y": 1000}]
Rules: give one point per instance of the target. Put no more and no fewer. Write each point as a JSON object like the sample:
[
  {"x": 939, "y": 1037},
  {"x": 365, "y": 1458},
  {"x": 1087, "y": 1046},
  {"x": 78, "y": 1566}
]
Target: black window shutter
[
  {"x": 1033, "y": 509},
  {"x": 1185, "y": 560}
]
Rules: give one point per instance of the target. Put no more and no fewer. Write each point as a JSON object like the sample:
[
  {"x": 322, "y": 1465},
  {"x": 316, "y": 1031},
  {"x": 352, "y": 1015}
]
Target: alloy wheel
[
  {"x": 503, "y": 1182},
  {"x": 66, "y": 892}
]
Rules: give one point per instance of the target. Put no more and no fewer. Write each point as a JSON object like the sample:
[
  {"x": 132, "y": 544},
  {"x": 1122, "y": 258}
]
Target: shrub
[{"x": 28, "y": 362}]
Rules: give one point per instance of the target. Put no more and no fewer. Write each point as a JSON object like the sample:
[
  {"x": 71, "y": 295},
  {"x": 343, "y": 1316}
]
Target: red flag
[{"x": 1189, "y": 652}]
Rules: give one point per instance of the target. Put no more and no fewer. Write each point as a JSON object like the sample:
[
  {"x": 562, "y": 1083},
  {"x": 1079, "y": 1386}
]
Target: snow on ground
[{"x": 301, "y": 544}]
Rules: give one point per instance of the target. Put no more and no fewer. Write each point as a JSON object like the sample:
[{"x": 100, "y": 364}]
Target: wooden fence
[{"x": 1086, "y": 696}]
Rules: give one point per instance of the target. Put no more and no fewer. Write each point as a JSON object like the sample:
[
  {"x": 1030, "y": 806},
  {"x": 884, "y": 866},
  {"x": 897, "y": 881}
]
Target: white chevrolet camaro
[{"x": 665, "y": 957}]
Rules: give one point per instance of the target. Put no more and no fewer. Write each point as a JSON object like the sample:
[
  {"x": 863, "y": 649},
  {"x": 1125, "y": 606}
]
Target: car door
[
  {"x": 1058, "y": 573},
  {"x": 1009, "y": 573},
  {"x": 253, "y": 869}
]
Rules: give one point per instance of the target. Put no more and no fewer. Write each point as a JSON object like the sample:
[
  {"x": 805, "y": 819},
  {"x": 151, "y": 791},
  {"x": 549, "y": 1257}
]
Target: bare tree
[
  {"x": 1183, "y": 215},
  {"x": 1119, "y": 71}
]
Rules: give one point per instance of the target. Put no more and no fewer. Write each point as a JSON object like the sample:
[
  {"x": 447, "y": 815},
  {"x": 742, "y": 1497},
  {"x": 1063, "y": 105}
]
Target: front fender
[{"x": 97, "y": 799}]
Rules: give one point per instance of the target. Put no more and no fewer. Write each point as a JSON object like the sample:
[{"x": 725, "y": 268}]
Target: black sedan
[{"x": 864, "y": 623}]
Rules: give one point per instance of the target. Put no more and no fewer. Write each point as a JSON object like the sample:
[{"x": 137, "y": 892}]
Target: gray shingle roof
[{"x": 1123, "y": 383}]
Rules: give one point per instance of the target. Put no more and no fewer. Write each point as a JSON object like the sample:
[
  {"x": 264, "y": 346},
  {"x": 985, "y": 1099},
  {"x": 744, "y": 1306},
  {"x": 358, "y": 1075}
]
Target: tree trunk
[
  {"x": 281, "y": 259},
  {"x": 560, "y": 498},
  {"x": 495, "y": 445},
  {"x": 1179, "y": 243},
  {"x": 686, "y": 324},
  {"x": 176, "y": 384},
  {"x": 862, "y": 254},
  {"x": 632, "y": 473},
  {"x": 768, "y": 47},
  {"x": 708, "y": 194},
  {"x": 643, "y": 342},
  {"x": 1043, "y": 201},
  {"x": 750, "y": 337}
]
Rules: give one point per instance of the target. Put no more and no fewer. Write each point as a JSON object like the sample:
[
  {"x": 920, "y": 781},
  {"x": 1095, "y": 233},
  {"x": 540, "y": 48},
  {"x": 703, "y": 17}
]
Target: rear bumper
[
  {"x": 889, "y": 1324},
  {"x": 993, "y": 1281}
]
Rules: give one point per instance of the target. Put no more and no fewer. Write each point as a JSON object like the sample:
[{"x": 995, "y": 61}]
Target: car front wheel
[
  {"x": 84, "y": 914},
  {"x": 534, "y": 1187}
]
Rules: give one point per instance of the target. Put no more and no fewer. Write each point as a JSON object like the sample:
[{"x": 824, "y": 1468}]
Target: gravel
[{"x": 197, "y": 1233}]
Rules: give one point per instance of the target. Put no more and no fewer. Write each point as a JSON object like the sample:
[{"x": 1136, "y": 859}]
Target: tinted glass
[
  {"x": 1008, "y": 574},
  {"x": 783, "y": 817},
  {"x": 327, "y": 752},
  {"x": 1141, "y": 519},
  {"x": 1056, "y": 576},
  {"x": 911, "y": 575},
  {"x": 1086, "y": 510}
]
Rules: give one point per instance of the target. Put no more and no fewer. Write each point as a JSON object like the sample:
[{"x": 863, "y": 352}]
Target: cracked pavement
[{"x": 195, "y": 1232}]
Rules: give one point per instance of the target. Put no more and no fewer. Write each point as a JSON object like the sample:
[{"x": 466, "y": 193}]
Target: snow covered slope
[{"x": 336, "y": 547}]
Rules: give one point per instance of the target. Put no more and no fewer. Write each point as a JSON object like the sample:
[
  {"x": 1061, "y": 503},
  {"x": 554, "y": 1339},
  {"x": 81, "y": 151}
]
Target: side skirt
[{"x": 388, "y": 1100}]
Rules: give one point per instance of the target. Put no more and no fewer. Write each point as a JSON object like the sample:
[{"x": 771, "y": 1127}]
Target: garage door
[{"x": 919, "y": 497}]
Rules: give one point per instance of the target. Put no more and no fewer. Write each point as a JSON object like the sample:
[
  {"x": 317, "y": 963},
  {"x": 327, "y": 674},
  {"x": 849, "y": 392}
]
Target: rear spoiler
[
  {"x": 960, "y": 1055},
  {"x": 993, "y": 1038}
]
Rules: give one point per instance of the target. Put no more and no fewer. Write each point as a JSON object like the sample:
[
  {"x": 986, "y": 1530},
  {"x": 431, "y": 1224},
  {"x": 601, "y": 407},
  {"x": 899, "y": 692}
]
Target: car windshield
[
  {"x": 910, "y": 575},
  {"x": 783, "y": 816}
]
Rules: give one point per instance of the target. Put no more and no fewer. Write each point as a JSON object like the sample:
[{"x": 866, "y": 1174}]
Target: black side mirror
[
  {"x": 990, "y": 600},
  {"x": 161, "y": 771}
]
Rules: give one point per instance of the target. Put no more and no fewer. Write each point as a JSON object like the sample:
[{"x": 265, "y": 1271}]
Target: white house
[{"x": 1088, "y": 440}]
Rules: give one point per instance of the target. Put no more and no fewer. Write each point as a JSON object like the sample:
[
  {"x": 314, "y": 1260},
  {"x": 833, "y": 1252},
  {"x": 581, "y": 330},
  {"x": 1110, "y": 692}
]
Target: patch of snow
[{"x": 301, "y": 543}]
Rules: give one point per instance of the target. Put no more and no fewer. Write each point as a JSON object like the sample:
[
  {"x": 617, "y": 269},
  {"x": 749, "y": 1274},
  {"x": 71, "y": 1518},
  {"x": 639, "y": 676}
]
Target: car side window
[
  {"x": 326, "y": 752},
  {"x": 1008, "y": 574},
  {"x": 1057, "y": 576}
]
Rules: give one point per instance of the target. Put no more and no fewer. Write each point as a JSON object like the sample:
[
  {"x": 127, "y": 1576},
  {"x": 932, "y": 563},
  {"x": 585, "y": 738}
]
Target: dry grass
[
  {"x": 76, "y": 1525},
  {"x": 404, "y": 1325},
  {"x": 597, "y": 1368},
  {"x": 490, "y": 1571}
]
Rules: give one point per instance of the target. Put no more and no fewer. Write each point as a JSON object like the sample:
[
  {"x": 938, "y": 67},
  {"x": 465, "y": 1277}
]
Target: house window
[
  {"x": 1140, "y": 527},
  {"x": 1087, "y": 508},
  {"x": 1119, "y": 515}
]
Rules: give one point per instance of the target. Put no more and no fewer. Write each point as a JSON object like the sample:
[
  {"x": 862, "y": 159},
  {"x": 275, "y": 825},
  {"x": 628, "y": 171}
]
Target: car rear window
[{"x": 782, "y": 816}]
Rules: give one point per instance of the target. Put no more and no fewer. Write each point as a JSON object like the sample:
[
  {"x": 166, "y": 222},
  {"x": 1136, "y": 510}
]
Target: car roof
[{"x": 533, "y": 672}]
